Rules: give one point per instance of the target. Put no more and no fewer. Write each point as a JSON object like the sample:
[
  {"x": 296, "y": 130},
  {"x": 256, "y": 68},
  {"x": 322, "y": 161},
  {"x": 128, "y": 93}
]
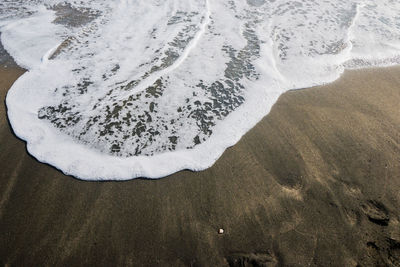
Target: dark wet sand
[{"x": 315, "y": 183}]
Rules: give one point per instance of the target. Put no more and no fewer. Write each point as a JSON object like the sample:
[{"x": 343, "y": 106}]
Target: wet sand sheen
[{"x": 316, "y": 182}]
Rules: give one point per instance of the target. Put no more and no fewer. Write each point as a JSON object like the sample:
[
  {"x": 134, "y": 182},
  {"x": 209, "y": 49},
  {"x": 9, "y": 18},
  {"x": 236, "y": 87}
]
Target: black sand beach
[{"x": 315, "y": 183}]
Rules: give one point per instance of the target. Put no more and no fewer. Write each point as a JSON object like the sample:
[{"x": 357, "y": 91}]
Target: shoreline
[
  {"x": 13, "y": 66},
  {"x": 315, "y": 182}
]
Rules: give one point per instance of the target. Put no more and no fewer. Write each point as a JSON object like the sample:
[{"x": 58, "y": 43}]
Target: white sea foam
[{"x": 144, "y": 88}]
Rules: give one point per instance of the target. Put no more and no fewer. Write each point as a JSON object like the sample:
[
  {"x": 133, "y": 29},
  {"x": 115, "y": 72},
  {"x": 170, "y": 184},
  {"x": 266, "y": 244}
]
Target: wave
[{"x": 132, "y": 88}]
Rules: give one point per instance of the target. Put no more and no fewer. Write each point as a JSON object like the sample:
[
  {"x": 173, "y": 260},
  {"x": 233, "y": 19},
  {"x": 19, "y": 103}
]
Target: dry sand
[{"x": 315, "y": 183}]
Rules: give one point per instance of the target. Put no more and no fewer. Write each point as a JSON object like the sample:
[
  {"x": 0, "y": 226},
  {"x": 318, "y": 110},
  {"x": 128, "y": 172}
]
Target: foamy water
[{"x": 144, "y": 88}]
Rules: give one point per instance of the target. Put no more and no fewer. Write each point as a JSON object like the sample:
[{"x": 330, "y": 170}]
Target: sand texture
[{"x": 315, "y": 183}]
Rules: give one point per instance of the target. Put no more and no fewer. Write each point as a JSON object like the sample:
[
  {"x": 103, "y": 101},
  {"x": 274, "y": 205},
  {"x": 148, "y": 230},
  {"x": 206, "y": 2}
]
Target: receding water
[{"x": 131, "y": 88}]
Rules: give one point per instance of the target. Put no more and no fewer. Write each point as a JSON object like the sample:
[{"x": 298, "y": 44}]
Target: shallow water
[{"x": 124, "y": 89}]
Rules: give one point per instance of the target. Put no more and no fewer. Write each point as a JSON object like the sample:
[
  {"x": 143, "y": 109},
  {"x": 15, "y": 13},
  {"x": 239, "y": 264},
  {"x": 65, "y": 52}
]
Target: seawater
[{"x": 144, "y": 88}]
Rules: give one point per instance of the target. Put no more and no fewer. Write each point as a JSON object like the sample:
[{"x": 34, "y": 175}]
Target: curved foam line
[
  {"x": 49, "y": 53},
  {"x": 43, "y": 142},
  {"x": 350, "y": 35},
  {"x": 149, "y": 81}
]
